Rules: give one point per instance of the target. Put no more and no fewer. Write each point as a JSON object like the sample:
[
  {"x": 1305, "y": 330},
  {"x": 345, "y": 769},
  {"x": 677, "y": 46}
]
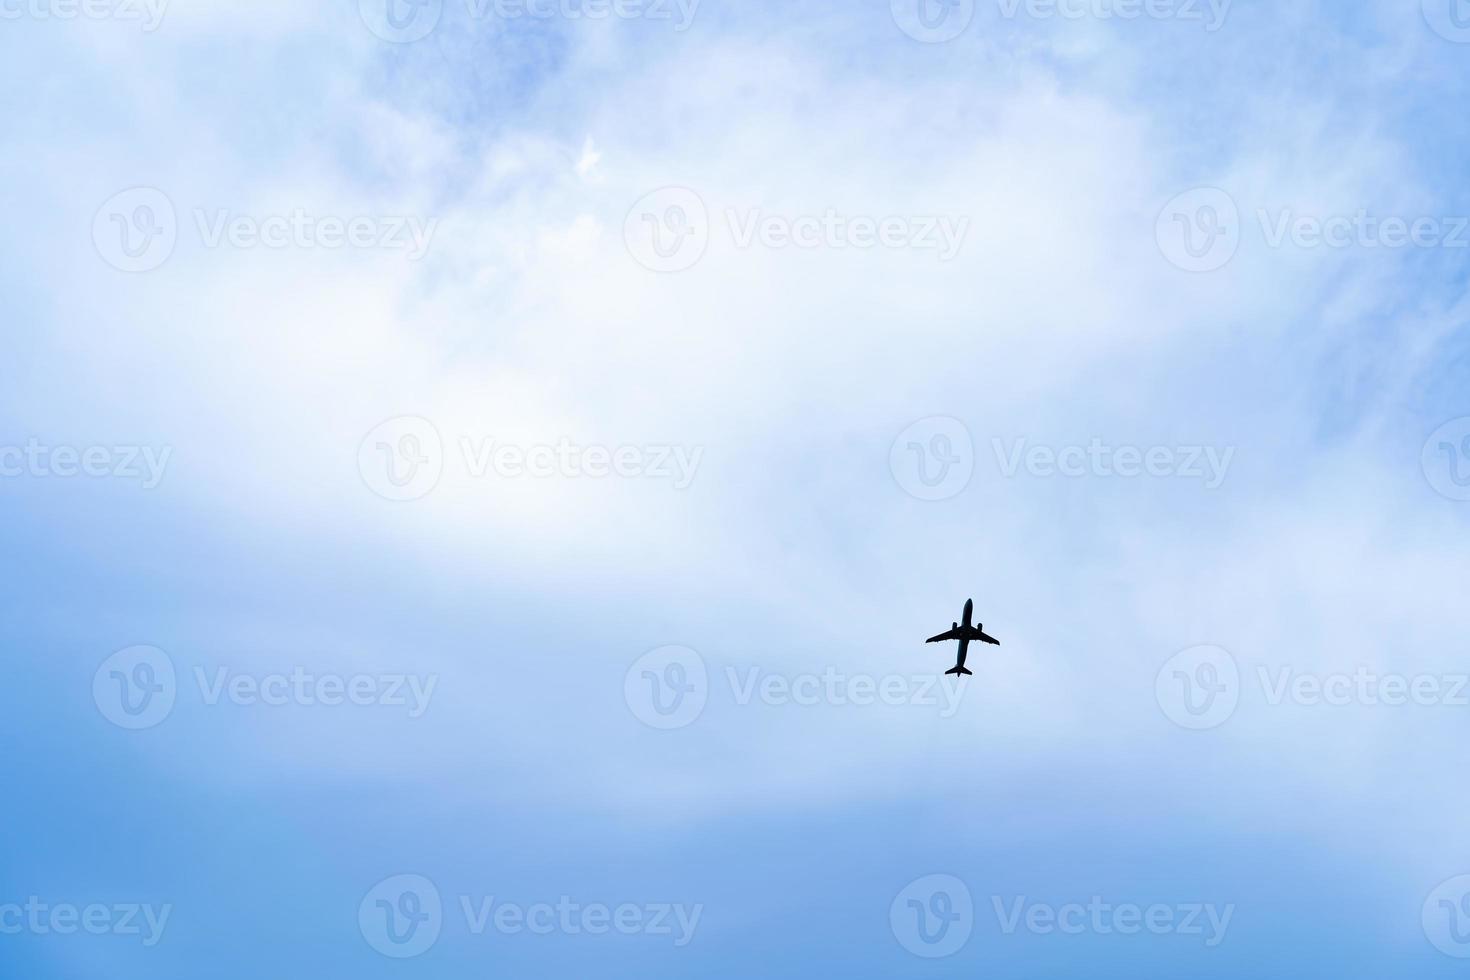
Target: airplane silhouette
[{"x": 964, "y": 633}]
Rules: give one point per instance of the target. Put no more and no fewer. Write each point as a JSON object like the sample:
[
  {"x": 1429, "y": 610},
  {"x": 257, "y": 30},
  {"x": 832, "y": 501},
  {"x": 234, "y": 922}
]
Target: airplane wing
[
  {"x": 989, "y": 639},
  {"x": 948, "y": 635}
]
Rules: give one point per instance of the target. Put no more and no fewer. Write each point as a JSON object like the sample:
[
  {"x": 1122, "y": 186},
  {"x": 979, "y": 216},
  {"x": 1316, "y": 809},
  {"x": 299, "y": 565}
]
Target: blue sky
[{"x": 577, "y": 554}]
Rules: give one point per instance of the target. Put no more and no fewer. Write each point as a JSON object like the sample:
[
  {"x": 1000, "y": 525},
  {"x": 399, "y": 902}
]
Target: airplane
[{"x": 964, "y": 634}]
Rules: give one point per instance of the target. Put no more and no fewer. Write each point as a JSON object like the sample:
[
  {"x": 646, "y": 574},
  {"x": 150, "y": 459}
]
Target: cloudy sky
[{"x": 478, "y": 476}]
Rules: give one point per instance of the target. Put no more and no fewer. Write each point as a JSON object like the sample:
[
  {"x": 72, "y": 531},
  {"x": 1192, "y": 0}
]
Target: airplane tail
[{"x": 960, "y": 670}]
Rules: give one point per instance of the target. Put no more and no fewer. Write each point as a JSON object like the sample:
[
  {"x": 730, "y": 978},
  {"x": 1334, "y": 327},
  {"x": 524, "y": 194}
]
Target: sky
[{"x": 478, "y": 476}]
